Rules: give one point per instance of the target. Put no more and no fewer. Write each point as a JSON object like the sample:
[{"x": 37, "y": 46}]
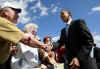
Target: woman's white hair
[{"x": 30, "y": 27}]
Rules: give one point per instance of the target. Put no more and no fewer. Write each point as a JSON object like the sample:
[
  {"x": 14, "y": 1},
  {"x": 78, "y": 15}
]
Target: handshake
[{"x": 31, "y": 41}]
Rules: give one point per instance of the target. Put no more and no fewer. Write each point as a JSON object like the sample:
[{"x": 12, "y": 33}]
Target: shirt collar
[{"x": 69, "y": 21}]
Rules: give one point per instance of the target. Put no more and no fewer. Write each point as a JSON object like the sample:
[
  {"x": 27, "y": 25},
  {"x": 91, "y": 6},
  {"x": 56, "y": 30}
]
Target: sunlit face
[
  {"x": 64, "y": 16},
  {"x": 10, "y": 14}
]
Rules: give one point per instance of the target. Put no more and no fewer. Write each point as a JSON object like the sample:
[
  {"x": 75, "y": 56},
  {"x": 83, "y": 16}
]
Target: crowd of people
[{"x": 25, "y": 50}]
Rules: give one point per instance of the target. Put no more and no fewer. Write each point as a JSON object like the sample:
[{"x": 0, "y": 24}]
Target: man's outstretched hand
[{"x": 74, "y": 63}]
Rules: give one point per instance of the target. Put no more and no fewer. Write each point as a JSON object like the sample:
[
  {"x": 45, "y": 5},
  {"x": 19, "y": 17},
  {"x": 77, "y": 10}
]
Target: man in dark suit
[
  {"x": 78, "y": 42},
  {"x": 97, "y": 56}
]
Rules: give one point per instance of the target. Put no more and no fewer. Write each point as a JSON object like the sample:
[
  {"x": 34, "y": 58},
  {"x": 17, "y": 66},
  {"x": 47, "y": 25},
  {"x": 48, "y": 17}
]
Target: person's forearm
[
  {"x": 35, "y": 43},
  {"x": 32, "y": 42}
]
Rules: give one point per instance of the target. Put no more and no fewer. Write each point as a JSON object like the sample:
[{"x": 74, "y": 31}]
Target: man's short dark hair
[{"x": 68, "y": 11}]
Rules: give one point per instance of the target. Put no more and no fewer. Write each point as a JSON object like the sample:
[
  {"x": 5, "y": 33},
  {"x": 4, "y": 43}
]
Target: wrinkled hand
[
  {"x": 43, "y": 66},
  {"x": 26, "y": 40},
  {"x": 74, "y": 63}
]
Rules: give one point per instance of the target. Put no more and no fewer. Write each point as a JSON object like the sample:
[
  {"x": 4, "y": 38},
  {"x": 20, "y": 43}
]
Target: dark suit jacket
[
  {"x": 97, "y": 56},
  {"x": 79, "y": 41}
]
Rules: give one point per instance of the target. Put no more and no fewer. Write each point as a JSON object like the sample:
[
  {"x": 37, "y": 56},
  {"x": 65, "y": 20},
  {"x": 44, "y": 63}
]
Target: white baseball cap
[{"x": 12, "y": 6}]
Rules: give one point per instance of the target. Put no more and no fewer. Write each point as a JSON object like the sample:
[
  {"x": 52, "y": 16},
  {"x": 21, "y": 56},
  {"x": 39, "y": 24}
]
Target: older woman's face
[
  {"x": 31, "y": 30},
  {"x": 34, "y": 32}
]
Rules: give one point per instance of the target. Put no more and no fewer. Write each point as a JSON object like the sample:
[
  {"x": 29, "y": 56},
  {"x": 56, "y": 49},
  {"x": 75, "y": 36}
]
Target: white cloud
[
  {"x": 54, "y": 39},
  {"x": 52, "y": 5},
  {"x": 24, "y": 16},
  {"x": 35, "y": 18},
  {"x": 97, "y": 37},
  {"x": 34, "y": 11},
  {"x": 24, "y": 20},
  {"x": 43, "y": 9},
  {"x": 5, "y": 0},
  {"x": 97, "y": 8},
  {"x": 38, "y": 4},
  {"x": 54, "y": 10},
  {"x": 32, "y": 0},
  {"x": 97, "y": 40}
]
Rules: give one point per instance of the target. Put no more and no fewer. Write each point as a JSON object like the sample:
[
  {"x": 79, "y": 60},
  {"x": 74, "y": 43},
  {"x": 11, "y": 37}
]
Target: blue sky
[{"x": 45, "y": 13}]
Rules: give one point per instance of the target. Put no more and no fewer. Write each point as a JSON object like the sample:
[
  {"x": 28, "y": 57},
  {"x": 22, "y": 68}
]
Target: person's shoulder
[
  {"x": 63, "y": 29},
  {"x": 79, "y": 20}
]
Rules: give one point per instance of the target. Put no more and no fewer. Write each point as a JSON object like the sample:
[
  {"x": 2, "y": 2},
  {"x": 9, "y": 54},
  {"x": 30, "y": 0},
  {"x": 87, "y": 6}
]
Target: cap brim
[{"x": 17, "y": 10}]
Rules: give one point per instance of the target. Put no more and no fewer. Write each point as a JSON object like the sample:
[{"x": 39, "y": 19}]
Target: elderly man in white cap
[
  {"x": 10, "y": 12},
  {"x": 10, "y": 34},
  {"x": 8, "y": 15}
]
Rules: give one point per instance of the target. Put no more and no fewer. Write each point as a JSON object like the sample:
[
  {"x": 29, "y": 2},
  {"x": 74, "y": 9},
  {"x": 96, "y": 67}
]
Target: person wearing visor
[{"x": 10, "y": 34}]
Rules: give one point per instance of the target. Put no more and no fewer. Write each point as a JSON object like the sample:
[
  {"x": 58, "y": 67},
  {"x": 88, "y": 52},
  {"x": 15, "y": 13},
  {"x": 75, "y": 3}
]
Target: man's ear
[{"x": 3, "y": 14}]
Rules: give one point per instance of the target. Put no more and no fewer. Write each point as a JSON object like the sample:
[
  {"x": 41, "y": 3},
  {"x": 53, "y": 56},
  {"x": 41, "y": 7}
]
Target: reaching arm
[{"x": 33, "y": 42}]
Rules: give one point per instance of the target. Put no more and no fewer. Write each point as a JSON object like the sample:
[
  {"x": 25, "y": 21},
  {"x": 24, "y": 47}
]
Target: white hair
[{"x": 30, "y": 27}]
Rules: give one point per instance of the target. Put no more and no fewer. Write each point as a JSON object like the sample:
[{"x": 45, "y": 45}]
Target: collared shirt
[
  {"x": 69, "y": 21},
  {"x": 67, "y": 26}
]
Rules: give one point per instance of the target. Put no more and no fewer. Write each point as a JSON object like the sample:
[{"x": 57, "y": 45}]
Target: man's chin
[
  {"x": 64, "y": 21},
  {"x": 15, "y": 22}
]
